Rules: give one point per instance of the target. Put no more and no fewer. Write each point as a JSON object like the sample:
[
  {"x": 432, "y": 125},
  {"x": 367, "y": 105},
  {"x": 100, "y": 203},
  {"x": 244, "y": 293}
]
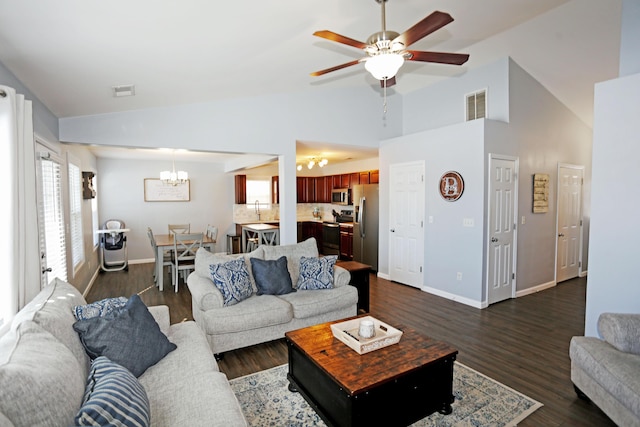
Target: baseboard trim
[
  {"x": 454, "y": 297},
  {"x": 535, "y": 289},
  {"x": 383, "y": 276},
  {"x": 583, "y": 273}
]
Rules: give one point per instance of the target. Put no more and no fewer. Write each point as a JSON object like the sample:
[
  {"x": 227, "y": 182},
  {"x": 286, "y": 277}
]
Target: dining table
[
  {"x": 164, "y": 242},
  {"x": 265, "y": 234}
]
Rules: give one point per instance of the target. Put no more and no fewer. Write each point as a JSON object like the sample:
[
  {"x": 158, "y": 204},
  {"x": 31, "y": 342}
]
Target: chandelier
[
  {"x": 314, "y": 161},
  {"x": 172, "y": 177}
]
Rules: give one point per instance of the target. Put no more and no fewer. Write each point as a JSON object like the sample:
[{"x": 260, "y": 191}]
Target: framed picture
[{"x": 157, "y": 191}]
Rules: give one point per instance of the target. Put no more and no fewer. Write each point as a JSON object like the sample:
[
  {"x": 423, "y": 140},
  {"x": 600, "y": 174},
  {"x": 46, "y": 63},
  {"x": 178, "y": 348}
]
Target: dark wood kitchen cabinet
[
  {"x": 275, "y": 189},
  {"x": 346, "y": 242},
  {"x": 241, "y": 189}
]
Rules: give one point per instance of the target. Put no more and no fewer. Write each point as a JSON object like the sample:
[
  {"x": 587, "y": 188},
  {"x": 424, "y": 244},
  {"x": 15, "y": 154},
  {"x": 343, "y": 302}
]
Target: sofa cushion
[
  {"x": 113, "y": 396},
  {"x": 103, "y": 308},
  {"x": 272, "y": 277},
  {"x": 52, "y": 309},
  {"x": 311, "y": 303},
  {"x": 232, "y": 280},
  {"x": 621, "y": 331},
  {"x": 41, "y": 381},
  {"x": 308, "y": 248},
  {"x": 132, "y": 339},
  {"x": 259, "y": 311},
  {"x": 316, "y": 273}
]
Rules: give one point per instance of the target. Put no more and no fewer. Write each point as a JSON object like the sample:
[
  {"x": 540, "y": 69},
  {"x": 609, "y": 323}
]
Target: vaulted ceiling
[{"x": 70, "y": 53}]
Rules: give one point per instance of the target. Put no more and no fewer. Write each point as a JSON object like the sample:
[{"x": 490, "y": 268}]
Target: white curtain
[{"x": 19, "y": 254}]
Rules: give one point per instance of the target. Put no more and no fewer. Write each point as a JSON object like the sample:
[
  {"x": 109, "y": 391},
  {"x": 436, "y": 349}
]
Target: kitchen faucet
[{"x": 257, "y": 207}]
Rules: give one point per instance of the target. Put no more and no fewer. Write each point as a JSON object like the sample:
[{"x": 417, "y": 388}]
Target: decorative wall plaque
[
  {"x": 157, "y": 191},
  {"x": 451, "y": 186},
  {"x": 540, "y": 193}
]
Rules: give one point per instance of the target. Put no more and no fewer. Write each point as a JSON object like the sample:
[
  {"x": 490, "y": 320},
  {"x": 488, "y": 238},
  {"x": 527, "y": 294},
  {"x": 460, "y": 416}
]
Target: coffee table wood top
[{"x": 357, "y": 373}]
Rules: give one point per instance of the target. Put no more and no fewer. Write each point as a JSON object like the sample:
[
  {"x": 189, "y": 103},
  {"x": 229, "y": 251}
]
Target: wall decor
[
  {"x": 88, "y": 190},
  {"x": 157, "y": 191},
  {"x": 540, "y": 193},
  {"x": 451, "y": 186}
]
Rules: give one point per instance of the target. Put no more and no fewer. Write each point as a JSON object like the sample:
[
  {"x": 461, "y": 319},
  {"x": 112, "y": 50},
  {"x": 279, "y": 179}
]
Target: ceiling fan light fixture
[{"x": 384, "y": 66}]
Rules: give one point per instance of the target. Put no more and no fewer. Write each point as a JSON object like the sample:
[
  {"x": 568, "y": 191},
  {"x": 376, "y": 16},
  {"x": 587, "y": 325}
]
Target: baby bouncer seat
[{"x": 113, "y": 245}]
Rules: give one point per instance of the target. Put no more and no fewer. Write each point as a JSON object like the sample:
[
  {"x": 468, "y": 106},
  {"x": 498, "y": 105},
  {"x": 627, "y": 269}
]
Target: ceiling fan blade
[
  {"x": 337, "y": 67},
  {"x": 439, "y": 57},
  {"x": 330, "y": 35},
  {"x": 390, "y": 82},
  {"x": 428, "y": 25}
]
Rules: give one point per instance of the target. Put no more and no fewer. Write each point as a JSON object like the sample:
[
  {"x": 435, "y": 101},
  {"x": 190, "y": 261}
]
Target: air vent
[
  {"x": 124, "y": 90},
  {"x": 476, "y": 105}
]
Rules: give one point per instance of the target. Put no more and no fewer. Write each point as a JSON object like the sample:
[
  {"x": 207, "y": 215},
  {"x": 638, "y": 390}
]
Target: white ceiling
[{"x": 70, "y": 53}]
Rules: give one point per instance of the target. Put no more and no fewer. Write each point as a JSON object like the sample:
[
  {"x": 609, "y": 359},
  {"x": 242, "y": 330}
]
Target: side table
[{"x": 360, "y": 279}]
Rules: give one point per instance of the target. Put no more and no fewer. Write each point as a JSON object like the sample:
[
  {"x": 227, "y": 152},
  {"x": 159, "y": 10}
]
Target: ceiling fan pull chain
[{"x": 384, "y": 104}]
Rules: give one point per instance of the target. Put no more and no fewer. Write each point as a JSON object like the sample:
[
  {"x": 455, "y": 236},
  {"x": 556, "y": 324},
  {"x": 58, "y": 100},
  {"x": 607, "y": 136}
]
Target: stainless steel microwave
[{"x": 341, "y": 196}]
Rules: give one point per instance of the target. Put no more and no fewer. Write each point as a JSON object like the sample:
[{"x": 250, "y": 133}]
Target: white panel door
[
  {"x": 501, "y": 228},
  {"x": 569, "y": 222},
  {"x": 406, "y": 223}
]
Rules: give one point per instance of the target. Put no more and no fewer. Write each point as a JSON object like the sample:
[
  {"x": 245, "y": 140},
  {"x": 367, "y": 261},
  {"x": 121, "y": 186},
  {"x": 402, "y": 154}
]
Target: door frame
[
  {"x": 514, "y": 281},
  {"x": 581, "y": 240}
]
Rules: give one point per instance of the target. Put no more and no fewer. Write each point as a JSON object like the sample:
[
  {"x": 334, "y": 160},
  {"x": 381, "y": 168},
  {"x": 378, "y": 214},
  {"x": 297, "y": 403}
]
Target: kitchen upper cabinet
[
  {"x": 364, "y": 178},
  {"x": 374, "y": 177},
  {"x": 345, "y": 180},
  {"x": 275, "y": 189},
  {"x": 241, "y": 189},
  {"x": 324, "y": 185},
  {"x": 354, "y": 179}
]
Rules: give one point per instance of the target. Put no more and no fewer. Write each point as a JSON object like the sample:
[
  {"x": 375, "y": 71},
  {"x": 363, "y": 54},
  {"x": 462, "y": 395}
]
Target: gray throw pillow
[
  {"x": 132, "y": 339},
  {"x": 272, "y": 277}
]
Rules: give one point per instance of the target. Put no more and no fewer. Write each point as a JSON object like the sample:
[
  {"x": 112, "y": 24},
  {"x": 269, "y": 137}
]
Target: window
[
  {"x": 94, "y": 217},
  {"x": 476, "y": 105},
  {"x": 75, "y": 214},
  {"x": 51, "y": 219},
  {"x": 258, "y": 189}
]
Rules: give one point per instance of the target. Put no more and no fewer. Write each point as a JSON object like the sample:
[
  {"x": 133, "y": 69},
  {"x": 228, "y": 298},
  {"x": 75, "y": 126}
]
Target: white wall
[
  {"x": 444, "y": 103},
  {"x": 542, "y": 133},
  {"x": 613, "y": 284},
  {"x": 449, "y": 247},
  {"x": 630, "y": 38},
  {"x": 121, "y": 196}
]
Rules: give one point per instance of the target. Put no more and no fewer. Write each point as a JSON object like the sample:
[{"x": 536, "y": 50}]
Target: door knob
[
  {"x": 393, "y": 230},
  {"x": 46, "y": 270},
  {"x": 494, "y": 239},
  {"x": 561, "y": 235}
]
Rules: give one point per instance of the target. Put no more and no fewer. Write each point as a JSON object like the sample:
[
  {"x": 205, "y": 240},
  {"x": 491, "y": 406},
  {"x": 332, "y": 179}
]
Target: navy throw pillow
[
  {"x": 132, "y": 339},
  {"x": 113, "y": 397},
  {"x": 272, "y": 276}
]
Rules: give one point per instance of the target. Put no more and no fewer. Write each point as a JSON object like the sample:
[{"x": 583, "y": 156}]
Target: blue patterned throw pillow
[
  {"x": 316, "y": 273},
  {"x": 103, "y": 308},
  {"x": 113, "y": 397},
  {"x": 232, "y": 280}
]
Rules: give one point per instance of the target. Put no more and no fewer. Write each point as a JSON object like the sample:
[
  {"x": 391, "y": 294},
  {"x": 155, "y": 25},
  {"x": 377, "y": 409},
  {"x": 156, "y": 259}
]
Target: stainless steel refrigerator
[{"x": 365, "y": 225}]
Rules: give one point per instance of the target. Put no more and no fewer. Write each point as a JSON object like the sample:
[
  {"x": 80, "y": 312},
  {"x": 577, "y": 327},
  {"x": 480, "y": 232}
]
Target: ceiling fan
[{"x": 387, "y": 50}]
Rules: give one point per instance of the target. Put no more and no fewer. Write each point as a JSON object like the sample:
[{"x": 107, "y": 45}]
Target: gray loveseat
[
  {"x": 262, "y": 318},
  {"x": 607, "y": 370},
  {"x": 44, "y": 368}
]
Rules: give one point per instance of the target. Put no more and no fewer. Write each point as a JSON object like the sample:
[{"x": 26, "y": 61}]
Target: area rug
[{"x": 479, "y": 401}]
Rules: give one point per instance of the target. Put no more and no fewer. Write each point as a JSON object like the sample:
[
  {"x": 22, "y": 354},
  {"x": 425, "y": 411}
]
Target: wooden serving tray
[{"x": 347, "y": 332}]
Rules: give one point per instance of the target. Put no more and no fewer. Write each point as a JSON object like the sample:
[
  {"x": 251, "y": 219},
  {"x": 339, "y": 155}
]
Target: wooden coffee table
[{"x": 393, "y": 386}]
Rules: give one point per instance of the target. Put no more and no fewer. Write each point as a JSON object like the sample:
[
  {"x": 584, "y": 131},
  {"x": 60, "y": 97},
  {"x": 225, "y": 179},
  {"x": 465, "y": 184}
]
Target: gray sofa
[
  {"x": 607, "y": 370},
  {"x": 262, "y": 318},
  {"x": 44, "y": 368}
]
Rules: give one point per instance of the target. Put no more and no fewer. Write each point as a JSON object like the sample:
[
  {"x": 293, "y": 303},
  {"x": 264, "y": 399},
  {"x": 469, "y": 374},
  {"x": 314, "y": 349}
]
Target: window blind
[
  {"x": 52, "y": 236},
  {"x": 75, "y": 215}
]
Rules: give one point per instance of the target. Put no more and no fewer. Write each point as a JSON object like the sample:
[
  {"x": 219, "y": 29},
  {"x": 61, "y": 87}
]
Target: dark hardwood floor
[{"x": 523, "y": 342}]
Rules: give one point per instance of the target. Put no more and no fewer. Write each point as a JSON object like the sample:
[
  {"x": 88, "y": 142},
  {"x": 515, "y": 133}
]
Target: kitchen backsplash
[{"x": 243, "y": 214}]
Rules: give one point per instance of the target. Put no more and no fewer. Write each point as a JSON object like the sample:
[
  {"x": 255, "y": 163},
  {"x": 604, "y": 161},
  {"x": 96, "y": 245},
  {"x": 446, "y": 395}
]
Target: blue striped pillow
[{"x": 113, "y": 397}]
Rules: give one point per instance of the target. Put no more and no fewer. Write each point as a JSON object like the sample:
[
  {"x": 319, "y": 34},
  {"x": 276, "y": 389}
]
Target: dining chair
[
  {"x": 166, "y": 259},
  {"x": 212, "y": 233},
  {"x": 185, "y": 247},
  {"x": 179, "y": 228}
]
